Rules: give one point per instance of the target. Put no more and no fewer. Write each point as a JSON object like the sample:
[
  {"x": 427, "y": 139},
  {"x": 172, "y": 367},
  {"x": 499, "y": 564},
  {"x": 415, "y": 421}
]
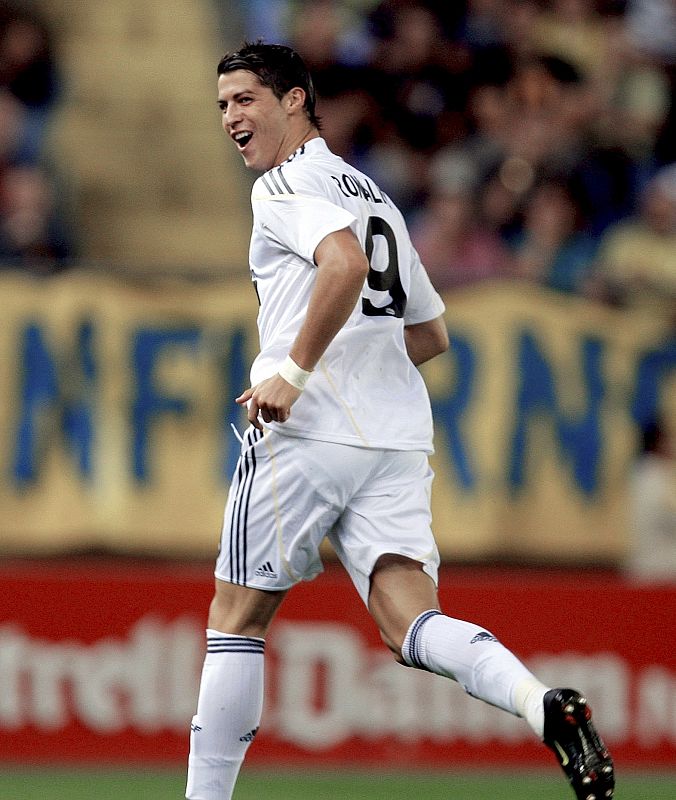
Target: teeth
[{"x": 242, "y": 135}]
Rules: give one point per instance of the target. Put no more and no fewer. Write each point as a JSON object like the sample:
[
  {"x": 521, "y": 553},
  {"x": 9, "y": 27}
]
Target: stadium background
[{"x": 128, "y": 327}]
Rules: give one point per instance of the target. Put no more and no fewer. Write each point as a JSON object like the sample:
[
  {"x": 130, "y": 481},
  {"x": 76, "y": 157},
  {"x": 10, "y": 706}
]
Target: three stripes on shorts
[{"x": 239, "y": 515}]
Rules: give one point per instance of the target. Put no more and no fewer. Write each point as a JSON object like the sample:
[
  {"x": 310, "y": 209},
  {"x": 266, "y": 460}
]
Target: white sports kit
[
  {"x": 351, "y": 462},
  {"x": 331, "y": 466}
]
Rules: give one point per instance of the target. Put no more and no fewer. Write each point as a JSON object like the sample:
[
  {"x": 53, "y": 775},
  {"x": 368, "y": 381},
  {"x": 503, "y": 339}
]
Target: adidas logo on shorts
[{"x": 265, "y": 571}]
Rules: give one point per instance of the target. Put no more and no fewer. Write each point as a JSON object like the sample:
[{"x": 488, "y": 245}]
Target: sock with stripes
[
  {"x": 475, "y": 658},
  {"x": 229, "y": 710}
]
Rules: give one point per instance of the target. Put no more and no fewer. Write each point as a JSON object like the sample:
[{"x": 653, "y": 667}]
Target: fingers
[
  {"x": 270, "y": 413},
  {"x": 256, "y": 411},
  {"x": 252, "y": 415},
  {"x": 245, "y": 396},
  {"x": 269, "y": 401},
  {"x": 253, "y": 409}
]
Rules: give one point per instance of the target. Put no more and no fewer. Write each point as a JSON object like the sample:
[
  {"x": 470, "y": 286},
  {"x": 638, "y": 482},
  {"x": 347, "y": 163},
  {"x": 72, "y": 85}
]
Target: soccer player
[{"x": 340, "y": 434}]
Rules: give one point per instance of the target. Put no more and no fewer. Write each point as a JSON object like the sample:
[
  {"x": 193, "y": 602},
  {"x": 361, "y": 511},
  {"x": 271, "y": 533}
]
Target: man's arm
[
  {"x": 341, "y": 270},
  {"x": 426, "y": 340}
]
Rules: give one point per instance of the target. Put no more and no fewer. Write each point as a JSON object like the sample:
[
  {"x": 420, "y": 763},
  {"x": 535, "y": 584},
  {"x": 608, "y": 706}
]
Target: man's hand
[{"x": 271, "y": 398}]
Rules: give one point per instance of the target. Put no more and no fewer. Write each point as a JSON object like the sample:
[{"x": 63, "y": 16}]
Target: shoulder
[
  {"x": 273, "y": 183},
  {"x": 306, "y": 172}
]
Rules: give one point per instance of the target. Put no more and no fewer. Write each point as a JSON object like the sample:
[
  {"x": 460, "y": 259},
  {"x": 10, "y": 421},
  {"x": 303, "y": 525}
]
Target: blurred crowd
[
  {"x": 530, "y": 139},
  {"x": 33, "y": 234},
  {"x": 521, "y": 138}
]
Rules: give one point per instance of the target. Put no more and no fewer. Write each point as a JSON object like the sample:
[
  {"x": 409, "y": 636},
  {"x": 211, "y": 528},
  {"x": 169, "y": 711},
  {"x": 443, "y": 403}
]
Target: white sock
[
  {"x": 528, "y": 698},
  {"x": 475, "y": 658},
  {"x": 229, "y": 710}
]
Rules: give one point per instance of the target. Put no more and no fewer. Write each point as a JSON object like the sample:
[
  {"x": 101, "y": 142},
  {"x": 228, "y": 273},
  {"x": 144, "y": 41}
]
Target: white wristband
[{"x": 293, "y": 374}]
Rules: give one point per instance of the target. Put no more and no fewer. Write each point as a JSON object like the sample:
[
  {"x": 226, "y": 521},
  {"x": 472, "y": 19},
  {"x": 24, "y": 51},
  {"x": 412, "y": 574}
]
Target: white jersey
[{"x": 365, "y": 391}]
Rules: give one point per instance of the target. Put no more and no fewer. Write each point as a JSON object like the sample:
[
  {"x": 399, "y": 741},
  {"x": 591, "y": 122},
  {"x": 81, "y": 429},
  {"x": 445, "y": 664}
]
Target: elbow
[
  {"x": 443, "y": 341},
  {"x": 440, "y": 341},
  {"x": 427, "y": 340},
  {"x": 351, "y": 270},
  {"x": 358, "y": 268}
]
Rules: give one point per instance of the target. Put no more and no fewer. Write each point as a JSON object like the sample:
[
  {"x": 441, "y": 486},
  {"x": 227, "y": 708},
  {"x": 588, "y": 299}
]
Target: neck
[{"x": 309, "y": 133}]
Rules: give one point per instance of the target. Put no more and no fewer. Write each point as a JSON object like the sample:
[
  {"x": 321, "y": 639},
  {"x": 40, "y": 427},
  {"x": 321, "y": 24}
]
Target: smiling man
[{"x": 340, "y": 434}]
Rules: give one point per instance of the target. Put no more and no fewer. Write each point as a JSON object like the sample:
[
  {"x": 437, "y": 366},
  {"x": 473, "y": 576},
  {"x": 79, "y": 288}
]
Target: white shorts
[{"x": 288, "y": 493}]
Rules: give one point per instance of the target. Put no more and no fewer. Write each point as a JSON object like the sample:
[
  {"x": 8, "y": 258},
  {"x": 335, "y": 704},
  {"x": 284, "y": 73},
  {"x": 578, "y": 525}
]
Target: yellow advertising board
[{"x": 117, "y": 407}]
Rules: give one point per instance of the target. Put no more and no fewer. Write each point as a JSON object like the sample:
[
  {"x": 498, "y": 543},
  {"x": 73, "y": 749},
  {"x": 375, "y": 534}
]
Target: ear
[{"x": 294, "y": 100}]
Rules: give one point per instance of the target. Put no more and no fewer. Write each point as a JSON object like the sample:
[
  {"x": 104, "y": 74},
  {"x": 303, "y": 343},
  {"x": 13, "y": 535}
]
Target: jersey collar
[{"x": 316, "y": 145}]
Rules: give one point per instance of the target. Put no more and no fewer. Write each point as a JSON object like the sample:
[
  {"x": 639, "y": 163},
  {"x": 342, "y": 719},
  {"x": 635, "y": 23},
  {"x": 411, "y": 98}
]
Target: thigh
[
  {"x": 389, "y": 514},
  {"x": 285, "y": 495}
]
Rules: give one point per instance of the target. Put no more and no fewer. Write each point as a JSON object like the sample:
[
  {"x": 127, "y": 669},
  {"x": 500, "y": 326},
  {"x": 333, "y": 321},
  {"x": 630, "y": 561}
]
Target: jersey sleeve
[
  {"x": 424, "y": 302},
  {"x": 298, "y": 218}
]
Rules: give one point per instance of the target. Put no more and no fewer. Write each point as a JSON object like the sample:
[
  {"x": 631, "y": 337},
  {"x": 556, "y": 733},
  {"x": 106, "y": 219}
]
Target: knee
[
  {"x": 222, "y": 616},
  {"x": 241, "y": 611},
  {"x": 227, "y": 616}
]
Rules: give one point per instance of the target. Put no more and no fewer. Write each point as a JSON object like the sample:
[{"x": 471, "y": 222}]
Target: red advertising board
[{"x": 100, "y": 660}]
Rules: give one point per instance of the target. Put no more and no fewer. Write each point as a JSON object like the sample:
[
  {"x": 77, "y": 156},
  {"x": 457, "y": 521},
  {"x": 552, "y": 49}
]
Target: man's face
[{"x": 254, "y": 119}]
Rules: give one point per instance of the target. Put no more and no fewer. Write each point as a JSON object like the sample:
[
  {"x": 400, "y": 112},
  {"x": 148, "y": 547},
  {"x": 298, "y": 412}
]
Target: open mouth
[{"x": 242, "y": 139}]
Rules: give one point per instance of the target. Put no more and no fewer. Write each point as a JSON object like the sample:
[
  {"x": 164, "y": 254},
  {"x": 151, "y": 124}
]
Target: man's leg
[
  {"x": 230, "y": 699},
  {"x": 403, "y": 602}
]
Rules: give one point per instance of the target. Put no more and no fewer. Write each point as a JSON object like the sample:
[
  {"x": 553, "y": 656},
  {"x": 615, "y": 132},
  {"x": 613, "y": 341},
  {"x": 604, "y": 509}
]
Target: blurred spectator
[
  {"x": 636, "y": 263},
  {"x": 651, "y": 25},
  {"x": 518, "y": 21},
  {"x": 262, "y": 19},
  {"x": 330, "y": 33},
  {"x": 553, "y": 249},
  {"x": 500, "y": 207},
  {"x": 325, "y": 35},
  {"x": 549, "y": 109},
  {"x": 32, "y": 236},
  {"x": 12, "y": 116},
  {"x": 634, "y": 88},
  {"x": 531, "y": 126},
  {"x": 488, "y": 117},
  {"x": 420, "y": 97},
  {"x": 608, "y": 181},
  {"x": 531, "y": 93},
  {"x": 632, "y": 102},
  {"x": 481, "y": 26},
  {"x": 27, "y": 71},
  {"x": 574, "y": 31},
  {"x": 456, "y": 249},
  {"x": 639, "y": 105},
  {"x": 652, "y": 496}
]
